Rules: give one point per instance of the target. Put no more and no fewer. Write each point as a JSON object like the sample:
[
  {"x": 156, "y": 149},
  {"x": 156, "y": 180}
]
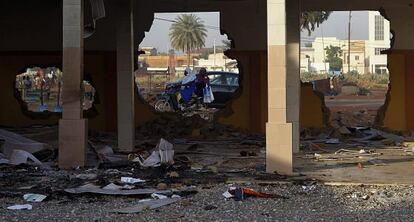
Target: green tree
[
  {"x": 188, "y": 33},
  {"x": 333, "y": 54},
  {"x": 311, "y": 20}
]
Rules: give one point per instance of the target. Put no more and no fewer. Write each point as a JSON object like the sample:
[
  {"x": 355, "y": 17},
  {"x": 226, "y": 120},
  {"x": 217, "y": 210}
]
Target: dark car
[{"x": 223, "y": 85}]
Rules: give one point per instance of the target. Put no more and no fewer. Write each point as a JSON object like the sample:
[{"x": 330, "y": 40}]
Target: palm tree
[
  {"x": 311, "y": 20},
  {"x": 188, "y": 33}
]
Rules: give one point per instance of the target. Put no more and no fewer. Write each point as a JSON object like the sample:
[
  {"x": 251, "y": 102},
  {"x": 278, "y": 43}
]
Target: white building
[
  {"x": 366, "y": 54},
  {"x": 218, "y": 62},
  {"x": 379, "y": 40}
]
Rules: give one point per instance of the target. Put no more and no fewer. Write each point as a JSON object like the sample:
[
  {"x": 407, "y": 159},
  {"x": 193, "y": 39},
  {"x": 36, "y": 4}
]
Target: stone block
[{"x": 73, "y": 137}]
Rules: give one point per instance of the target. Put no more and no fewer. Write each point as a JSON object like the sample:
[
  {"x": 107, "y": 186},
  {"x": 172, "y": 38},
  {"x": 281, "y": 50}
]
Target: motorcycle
[{"x": 178, "y": 97}]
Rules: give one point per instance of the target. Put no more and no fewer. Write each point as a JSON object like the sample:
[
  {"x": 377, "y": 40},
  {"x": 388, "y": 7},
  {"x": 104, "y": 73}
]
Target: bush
[
  {"x": 309, "y": 76},
  {"x": 366, "y": 81}
]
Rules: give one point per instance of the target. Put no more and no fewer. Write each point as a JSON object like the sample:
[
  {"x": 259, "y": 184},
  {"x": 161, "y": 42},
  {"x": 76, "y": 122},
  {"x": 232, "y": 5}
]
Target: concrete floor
[{"x": 394, "y": 166}]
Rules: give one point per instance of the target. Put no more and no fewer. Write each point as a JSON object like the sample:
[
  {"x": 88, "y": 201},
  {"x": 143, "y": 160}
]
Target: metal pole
[{"x": 349, "y": 41}]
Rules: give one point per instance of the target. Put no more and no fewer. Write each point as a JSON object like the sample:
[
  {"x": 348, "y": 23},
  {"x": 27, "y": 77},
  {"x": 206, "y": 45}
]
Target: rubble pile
[{"x": 176, "y": 126}]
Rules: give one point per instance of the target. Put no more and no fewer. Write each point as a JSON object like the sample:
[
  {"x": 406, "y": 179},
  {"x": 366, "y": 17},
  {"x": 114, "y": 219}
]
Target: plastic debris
[
  {"x": 102, "y": 191},
  {"x": 163, "y": 154},
  {"x": 166, "y": 150},
  {"x": 32, "y": 197},
  {"x": 20, "y": 207},
  {"x": 131, "y": 180},
  {"x": 158, "y": 196},
  {"x": 332, "y": 141},
  {"x": 308, "y": 188},
  {"x": 239, "y": 194},
  {"x": 18, "y": 157}
]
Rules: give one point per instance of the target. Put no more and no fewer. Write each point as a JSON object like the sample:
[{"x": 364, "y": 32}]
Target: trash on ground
[
  {"x": 332, "y": 141},
  {"x": 131, "y": 180},
  {"x": 20, "y": 207},
  {"x": 32, "y": 197},
  {"x": 13, "y": 141},
  {"x": 18, "y": 157},
  {"x": 166, "y": 150},
  {"x": 149, "y": 204},
  {"x": 163, "y": 154},
  {"x": 239, "y": 193},
  {"x": 86, "y": 176},
  {"x": 98, "y": 190},
  {"x": 158, "y": 196}
]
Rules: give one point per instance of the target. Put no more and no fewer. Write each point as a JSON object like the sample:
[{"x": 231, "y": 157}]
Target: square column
[
  {"x": 73, "y": 128},
  {"x": 293, "y": 69},
  {"x": 280, "y": 135},
  {"x": 125, "y": 76}
]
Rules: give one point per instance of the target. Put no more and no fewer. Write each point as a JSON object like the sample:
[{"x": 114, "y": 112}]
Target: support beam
[
  {"x": 279, "y": 132},
  {"x": 293, "y": 69},
  {"x": 125, "y": 76},
  {"x": 72, "y": 127}
]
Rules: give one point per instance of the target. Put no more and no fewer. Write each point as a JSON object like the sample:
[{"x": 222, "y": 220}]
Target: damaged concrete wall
[
  {"x": 396, "y": 114},
  {"x": 313, "y": 112},
  {"x": 12, "y": 64},
  {"x": 28, "y": 46}
]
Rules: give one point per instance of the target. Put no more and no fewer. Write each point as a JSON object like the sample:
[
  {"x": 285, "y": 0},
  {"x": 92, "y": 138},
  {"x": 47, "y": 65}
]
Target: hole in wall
[
  {"x": 186, "y": 72},
  {"x": 39, "y": 90},
  {"x": 353, "y": 75}
]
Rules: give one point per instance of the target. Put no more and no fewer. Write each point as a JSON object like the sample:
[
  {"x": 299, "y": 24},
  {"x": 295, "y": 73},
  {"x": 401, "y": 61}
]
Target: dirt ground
[{"x": 356, "y": 110}]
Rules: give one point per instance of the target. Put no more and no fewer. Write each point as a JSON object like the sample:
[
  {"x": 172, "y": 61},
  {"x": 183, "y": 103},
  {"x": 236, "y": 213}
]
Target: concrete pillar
[
  {"x": 293, "y": 69},
  {"x": 279, "y": 132},
  {"x": 73, "y": 129},
  {"x": 125, "y": 76}
]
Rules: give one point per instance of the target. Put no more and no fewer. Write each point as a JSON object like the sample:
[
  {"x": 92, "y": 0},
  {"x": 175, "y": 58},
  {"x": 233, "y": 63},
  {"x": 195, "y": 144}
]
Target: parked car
[{"x": 223, "y": 85}]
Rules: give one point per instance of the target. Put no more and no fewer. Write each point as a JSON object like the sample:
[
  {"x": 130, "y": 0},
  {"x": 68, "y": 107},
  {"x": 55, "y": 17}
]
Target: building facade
[{"x": 364, "y": 55}]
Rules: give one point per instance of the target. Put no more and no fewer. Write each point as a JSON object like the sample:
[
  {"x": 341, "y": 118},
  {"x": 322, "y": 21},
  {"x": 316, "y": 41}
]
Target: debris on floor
[
  {"x": 241, "y": 193},
  {"x": 147, "y": 205},
  {"x": 20, "y": 207},
  {"x": 31, "y": 197}
]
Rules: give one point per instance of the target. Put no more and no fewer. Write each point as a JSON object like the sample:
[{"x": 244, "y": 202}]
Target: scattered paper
[
  {"x": 20, "y": 207},
  {"x": 131, "y": 180},
  {"x": 32, "y": 197},
  {"x": 20, "y": 156},
  {"x": 158, "y": 196}
]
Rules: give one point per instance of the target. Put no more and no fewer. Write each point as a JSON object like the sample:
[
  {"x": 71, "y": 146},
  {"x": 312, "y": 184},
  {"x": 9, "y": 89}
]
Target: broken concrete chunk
[
  {"x": 112, "y": 186},
  {"x": 344, "y": 130}
]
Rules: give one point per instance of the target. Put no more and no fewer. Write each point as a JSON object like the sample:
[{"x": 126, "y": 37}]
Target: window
[
  {"x": 356, "y": 58},
  {"x": 379, "y": 28},
  {"x": 379, "y": 50}
]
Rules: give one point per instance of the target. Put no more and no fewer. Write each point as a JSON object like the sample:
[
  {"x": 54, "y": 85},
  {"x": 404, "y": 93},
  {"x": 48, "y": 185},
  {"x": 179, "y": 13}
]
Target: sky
[
  {"x": 335, "y": 26},
  {"x": 158, "y": 34}
]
